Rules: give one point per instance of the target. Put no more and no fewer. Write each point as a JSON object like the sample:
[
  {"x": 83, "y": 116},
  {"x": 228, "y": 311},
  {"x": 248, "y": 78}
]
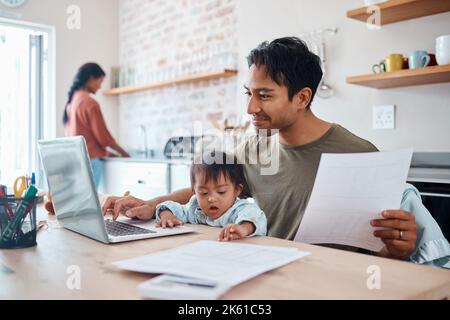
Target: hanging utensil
[
  {"x": 324, "y": 91},
  {"x": 316, "y": 43}
]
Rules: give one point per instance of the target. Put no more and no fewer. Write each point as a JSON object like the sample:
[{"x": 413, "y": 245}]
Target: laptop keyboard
[{"x": 117, "y": 229}]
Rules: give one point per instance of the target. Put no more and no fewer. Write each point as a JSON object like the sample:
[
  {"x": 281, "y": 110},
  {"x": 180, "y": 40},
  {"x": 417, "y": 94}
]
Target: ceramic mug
[
  {"x": 405, "y": 63},
  {"x": 380, "y": 67},
  {"x": 433, "y": 61},
  {"x": 392, "y": 62},
  {"x": 418, "y": 59},
  {"x": 443, "y": 50}
]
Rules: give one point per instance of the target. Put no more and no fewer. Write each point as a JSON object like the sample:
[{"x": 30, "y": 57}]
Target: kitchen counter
[
  {"x": 432, "y": 175},
  {"x": 145, "y": 177},
  {"x": 431, "y": 167}
]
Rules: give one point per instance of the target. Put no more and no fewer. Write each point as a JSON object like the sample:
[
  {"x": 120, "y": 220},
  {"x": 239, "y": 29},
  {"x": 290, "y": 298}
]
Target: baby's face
[{"x": 215, "y": 198}]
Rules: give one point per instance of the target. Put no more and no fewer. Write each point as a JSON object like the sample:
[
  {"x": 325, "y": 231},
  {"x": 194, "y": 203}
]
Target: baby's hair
[{"x": 214, "y": 164}]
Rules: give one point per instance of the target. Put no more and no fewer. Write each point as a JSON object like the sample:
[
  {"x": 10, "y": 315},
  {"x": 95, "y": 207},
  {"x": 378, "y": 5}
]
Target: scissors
[{"x": 20, "y": 185}]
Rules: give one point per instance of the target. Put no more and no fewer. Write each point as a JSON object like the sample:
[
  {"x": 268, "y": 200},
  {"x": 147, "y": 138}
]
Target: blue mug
[{"x": 418, "y": 59}]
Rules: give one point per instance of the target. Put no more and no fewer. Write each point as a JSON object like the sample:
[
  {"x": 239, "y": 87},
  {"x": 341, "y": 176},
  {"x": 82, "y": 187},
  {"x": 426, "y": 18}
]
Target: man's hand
[
  {"x": 168, "y": 220},
  {"x": 236, "y": 231},
  {"x": 129, "y": 206},
  {"x": 400, "y": 234}
]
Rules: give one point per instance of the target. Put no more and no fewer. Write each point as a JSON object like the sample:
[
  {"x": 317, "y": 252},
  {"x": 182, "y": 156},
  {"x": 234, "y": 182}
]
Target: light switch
[{"x": 384, "y": 117}]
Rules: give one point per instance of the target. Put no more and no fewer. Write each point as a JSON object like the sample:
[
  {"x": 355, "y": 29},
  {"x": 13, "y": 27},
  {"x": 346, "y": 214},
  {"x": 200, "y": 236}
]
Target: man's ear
[
  {"x": 239, "y": 189},
  {"x": 303, "y": 98}
]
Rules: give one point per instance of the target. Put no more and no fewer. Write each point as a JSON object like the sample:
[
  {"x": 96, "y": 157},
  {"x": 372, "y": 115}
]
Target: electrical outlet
[{"x": 384, "y": 117}]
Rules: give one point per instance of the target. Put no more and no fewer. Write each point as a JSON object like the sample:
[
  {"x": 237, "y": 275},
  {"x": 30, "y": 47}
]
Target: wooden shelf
[
  {"x": 403, "y": 78},
  {"x": 183, "y": 80},
  {"x": 400, "y": 10}
]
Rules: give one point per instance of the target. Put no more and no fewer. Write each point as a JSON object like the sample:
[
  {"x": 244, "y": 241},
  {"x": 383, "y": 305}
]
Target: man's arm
[
  {"x": 181, "y": 196},
  {"x": 144, "y": 210}
]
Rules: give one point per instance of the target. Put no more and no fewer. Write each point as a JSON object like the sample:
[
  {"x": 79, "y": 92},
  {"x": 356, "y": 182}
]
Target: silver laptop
[{"x": 75, "y": 200}]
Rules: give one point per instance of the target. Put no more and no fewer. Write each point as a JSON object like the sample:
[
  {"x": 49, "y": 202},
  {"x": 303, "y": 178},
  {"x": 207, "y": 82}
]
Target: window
[{"x": 26, "y": 104}]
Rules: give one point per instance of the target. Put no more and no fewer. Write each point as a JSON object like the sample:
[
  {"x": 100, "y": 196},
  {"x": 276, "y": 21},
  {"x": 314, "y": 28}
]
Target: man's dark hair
[
  {"x": 215, "y": 163},
  {"x": 289, "y": 62}
]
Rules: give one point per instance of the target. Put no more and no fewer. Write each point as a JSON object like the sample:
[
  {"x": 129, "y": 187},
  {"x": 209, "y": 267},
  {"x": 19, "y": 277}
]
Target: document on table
[
  {"x": 170, "y": 287},
  {"x": 350, "y": 190},
  {"x": 218, "y": 263}
]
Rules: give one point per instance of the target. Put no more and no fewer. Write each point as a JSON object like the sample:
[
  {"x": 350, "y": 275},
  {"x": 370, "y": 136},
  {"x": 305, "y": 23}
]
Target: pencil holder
[{"x": 17, "y": 222}]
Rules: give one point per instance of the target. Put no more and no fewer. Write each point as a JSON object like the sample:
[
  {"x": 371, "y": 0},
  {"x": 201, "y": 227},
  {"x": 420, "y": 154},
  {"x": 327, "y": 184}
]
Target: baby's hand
[
  {"x": 236, "y": 231},
  {"x": 168, "y": 220}
]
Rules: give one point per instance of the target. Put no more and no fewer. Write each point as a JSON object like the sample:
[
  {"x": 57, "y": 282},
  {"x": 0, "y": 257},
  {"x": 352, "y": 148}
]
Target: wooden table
[{"x": 41, "y": 272}]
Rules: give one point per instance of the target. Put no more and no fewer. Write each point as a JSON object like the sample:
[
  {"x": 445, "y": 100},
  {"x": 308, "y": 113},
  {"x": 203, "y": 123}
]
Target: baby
[{"x": 216, "y": 202}]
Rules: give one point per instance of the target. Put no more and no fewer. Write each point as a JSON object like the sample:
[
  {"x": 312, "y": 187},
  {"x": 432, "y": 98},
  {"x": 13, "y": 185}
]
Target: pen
[
  {"x": 3, "y": 195},
  {"x": 4, "y": 220},
  {"x": 192, "y": 284},
  {"x": 21, "y": 212}
]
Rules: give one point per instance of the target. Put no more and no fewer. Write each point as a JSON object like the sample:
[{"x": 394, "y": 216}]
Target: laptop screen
[{"x": 70, "y": 181}]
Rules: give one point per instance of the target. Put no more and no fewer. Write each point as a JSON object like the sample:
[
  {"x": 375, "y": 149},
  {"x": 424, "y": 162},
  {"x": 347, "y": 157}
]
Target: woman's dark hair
[
  {"x": 289, "y": 63},
  {"x": 86, "y": 72},
  {"x": 214, "y": 164}
]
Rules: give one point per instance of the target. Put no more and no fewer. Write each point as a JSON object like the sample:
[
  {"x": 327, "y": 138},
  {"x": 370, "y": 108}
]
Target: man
[{"x": 283, "y": 79}]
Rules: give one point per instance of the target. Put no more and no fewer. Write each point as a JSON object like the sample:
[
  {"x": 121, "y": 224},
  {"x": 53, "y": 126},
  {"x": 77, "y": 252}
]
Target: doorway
[{"x": 26, "y": 96}]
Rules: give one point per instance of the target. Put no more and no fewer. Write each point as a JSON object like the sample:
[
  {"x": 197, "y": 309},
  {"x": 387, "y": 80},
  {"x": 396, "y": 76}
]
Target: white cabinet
[
  {"x": 142, "y": 180},
  {"x": 179, "y": 176}
]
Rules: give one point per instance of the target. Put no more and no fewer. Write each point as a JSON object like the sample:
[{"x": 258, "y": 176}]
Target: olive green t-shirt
[{"x": 283, "y": 194}]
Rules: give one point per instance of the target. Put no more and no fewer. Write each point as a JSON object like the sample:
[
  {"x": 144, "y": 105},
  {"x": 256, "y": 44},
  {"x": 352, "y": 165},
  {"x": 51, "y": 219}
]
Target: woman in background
[{"x": 83, "y": 117}]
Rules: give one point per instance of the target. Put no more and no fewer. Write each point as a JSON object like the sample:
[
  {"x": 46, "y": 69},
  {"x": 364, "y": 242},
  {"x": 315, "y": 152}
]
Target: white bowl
[
  {"x": 443, "y": 55},
  {"x": 443, "y": 59},
  {"x": 443, "y": 39},
  {"x": 368, "y": 3},
  {"x": 443, "y": 45}
]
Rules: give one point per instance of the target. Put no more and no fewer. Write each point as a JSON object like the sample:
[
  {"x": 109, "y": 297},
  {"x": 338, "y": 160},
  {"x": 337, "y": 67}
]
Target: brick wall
[{"x": 162, "y": 39}]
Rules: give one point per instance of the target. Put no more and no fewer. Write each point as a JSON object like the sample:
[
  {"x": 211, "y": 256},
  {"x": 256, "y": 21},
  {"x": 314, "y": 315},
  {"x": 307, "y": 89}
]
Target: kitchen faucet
[{"x": 143, "y": 137}]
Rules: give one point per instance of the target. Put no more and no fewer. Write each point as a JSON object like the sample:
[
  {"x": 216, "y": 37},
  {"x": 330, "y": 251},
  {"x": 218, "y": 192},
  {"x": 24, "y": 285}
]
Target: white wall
[
  {"x": 175, "y": 38},
  {"x": 423, "y": 112},
  {"x": 97, "y": 40}
]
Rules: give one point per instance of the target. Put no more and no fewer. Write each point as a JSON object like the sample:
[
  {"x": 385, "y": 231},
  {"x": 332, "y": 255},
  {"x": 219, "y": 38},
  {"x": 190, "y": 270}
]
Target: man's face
[{"x": 268, "y": 102}]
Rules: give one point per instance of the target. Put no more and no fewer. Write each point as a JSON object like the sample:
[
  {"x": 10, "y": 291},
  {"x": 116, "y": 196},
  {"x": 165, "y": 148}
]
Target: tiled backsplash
[{"x": 163, "y": 39}]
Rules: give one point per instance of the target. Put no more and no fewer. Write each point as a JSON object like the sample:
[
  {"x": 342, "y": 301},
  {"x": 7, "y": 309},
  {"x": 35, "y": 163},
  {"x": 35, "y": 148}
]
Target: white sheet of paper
[
  {"x": 228, "y": 263},
  {"x": 350, "y": 190},
  {"x": 169, "y": 287}
]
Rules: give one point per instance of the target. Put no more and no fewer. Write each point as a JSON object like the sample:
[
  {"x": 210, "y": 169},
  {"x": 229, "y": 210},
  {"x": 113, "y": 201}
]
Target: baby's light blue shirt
[{"x": 241, "y": 211}]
